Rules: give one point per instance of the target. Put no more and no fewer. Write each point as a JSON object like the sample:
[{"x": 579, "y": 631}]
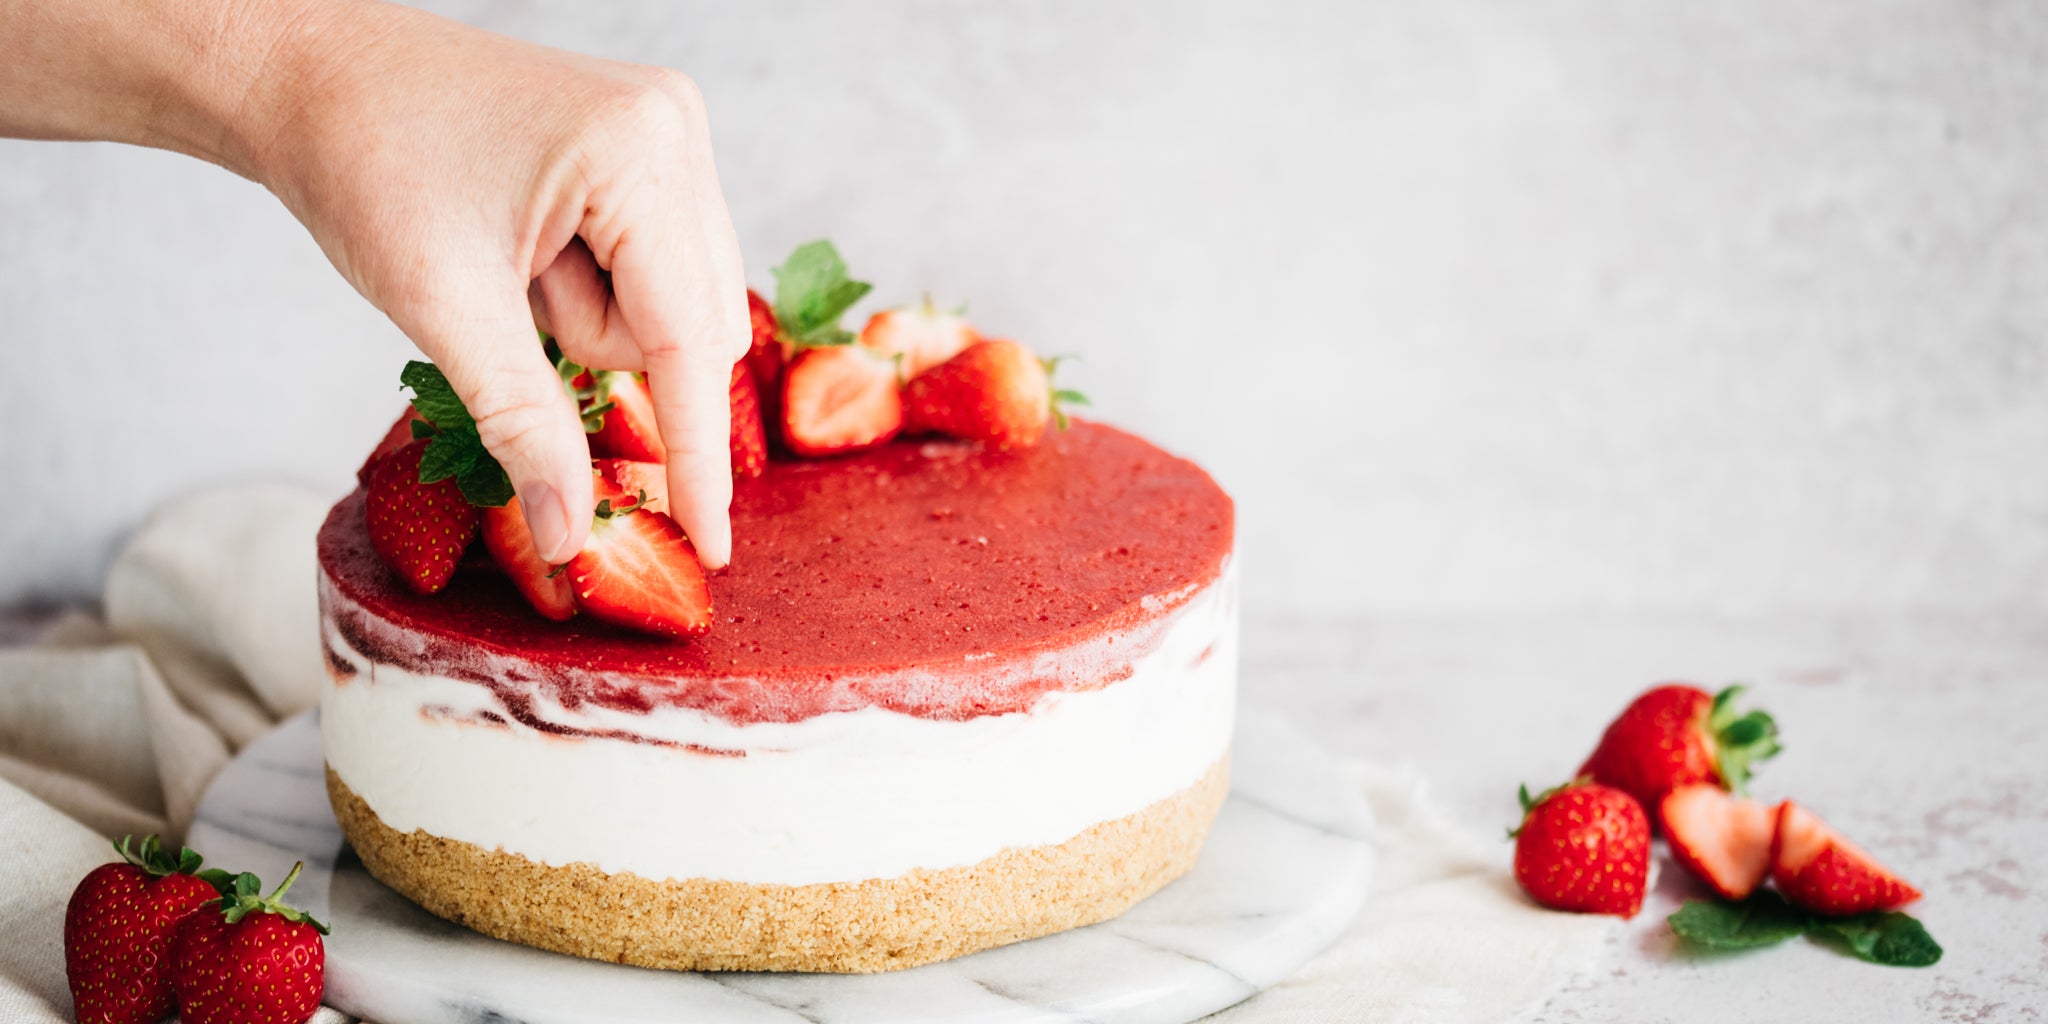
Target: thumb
[{"x": 524, "y": 416}]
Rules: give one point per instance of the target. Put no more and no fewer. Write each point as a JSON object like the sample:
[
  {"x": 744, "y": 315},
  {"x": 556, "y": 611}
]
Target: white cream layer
[{"x": 845, "y": 796}]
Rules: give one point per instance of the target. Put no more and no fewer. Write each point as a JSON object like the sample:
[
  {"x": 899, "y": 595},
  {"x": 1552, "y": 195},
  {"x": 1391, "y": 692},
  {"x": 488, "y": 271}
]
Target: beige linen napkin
[{"x": 211, "y": 635}]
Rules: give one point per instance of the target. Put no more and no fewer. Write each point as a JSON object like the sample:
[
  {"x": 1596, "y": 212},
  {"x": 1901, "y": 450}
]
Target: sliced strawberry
[
  {"x": 1724, "y": 840},
  {"x": 639, "y": 571},
  {"x": 749, "y": 433},
  {"x": 995, "y": 392},
  {"x": 628, "y": 431},
  {"x": 923, "y": 336},
  {"x": 1817, "y": 868},
  {"x": 634, "y": 478},
  {"x": 397, "y": 437},
  {"x": 839, "y": 398},
  {"x": 511, "y": 546},
  {"x": 420, "y": 530}
]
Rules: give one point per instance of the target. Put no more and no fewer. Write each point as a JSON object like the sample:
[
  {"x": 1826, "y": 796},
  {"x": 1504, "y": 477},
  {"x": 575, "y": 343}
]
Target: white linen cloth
[{"x": 210, "y": 637}]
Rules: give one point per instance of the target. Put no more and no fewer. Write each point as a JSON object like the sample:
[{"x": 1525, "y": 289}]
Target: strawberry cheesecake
[{"x": 968, "y": 679}]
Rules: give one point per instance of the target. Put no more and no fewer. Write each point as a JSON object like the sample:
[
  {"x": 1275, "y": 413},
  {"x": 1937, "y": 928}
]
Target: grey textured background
[{"x": 1476, "y": 307}]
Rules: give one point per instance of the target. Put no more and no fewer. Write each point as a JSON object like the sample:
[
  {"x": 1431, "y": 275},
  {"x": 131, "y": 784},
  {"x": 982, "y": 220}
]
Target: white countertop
[{"x": 1918, "y": 737}]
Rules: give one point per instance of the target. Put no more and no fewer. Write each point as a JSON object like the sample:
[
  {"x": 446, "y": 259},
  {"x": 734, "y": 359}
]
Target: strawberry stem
[
  {"x": 1740, "y": 741},
  {"x": 242, "y": 898}
]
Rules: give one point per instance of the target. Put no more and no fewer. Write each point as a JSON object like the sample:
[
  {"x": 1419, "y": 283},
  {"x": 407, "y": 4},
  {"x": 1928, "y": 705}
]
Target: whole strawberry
[
  {"x": 249, "y": 959},
  {"x": 117, "y": 931},
  {"x": 994, "y": 391},
  {"x": 1675, "y": 735},
  {"x": 1583, "y": 847},
  {"x": 749, "y": 430},
  {"x": 419, "y": 530}
]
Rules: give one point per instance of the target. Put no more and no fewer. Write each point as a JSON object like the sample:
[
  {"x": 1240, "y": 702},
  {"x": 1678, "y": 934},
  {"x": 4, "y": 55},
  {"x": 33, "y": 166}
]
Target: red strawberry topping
[
  {"x": 749, "y": 431},
  {"x": 1819, "y": 869},
  {"x": 628, "y": 430},
  {"x": 629, "y": 478},
  {"x": 511, "y": 546},
  {"x": 117, "y": 932},
  {"x": 839, "y": 398},
  {"x": 639, "y": 571},
  {"x": 420, "y": 530},
  {"x": 1722, "y": 839},
  {"x": 1584, "y": 847},
  {"x": 920, "y": 337},
  {"x": 995, "y": 392},
  {"x": 397, "y": 437}
]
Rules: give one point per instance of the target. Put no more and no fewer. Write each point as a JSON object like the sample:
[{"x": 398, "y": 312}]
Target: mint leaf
[
  {"x": 434, "y": 397},
  {"x": 485, "y": 483},
  {"x": 1891, "y": 939},
  {"x": 1765, "y": 919},
  {"x": 449, "y": 453},
  {"x": 812, "y": 292},
  {"x": 455, "y": 449}
]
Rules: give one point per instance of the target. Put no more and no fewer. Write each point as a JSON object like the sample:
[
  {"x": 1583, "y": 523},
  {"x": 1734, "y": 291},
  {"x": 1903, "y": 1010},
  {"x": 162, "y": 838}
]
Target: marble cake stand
[{"x": 1283, "y": 873}]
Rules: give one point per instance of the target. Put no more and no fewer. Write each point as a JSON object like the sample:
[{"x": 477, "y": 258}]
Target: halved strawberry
[
  {"x": 1815, "y": 867},
  {"x": 923, "y": 336},
  {"x": 1723, "y": 839},
  {"x": 995, "y": 392},
  {"x": 628, "y": 431},
  {"x": 839, "y": 398},
  {"x": 635, "y": 478},
  {"x": 420, "y": 530},
  {"x": 639, "y": 571},
  {"x": 749, "y": 434},
  {"x": 511, "y": 546},
  {"x": 397, "y": 437}
]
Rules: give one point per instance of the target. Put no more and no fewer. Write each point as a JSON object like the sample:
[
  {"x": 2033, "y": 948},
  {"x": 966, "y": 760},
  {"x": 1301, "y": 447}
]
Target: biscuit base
[{"x": 864, "y": 927}]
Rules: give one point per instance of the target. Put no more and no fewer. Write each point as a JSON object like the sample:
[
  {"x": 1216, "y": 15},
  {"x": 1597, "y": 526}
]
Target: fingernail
[{"x": 546, "y": 519}]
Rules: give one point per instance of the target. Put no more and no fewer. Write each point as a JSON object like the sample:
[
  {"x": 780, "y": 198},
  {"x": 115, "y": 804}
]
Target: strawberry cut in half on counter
[
  {"x": 749, "y": 439},
  {"x": 1820, "y": 870},
  {"x": 995, "y": 392},
  {"x": 420, "y": 530},
  {"x": 639, "y": 571},
  {"x": 118, "y": 928},
  {"x": 1676, "y": 734},
  {"x": 510, "y": 543},
  {"x": 627, "y": 429},
  {"x": 1583, "y": 847},
  {"x": 400, "y": 435},
  {"x": 1722, "y": 839},
  {"x": 919, "y": 337},
  {"x": 839, "y": 398},
  {"x": 249, "y": 959}
]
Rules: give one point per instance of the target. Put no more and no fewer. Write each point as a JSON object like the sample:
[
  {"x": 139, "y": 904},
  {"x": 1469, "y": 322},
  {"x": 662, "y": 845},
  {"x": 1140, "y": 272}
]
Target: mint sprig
[
  {"x": 1765, "y": 919},
  {"x": 812, "y": 292},
  {"x": 454, "y": 448}
]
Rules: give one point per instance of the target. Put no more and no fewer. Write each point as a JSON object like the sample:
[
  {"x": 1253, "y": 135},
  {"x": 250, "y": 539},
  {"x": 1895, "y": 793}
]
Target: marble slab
[{"x": 1283, "y": 873}]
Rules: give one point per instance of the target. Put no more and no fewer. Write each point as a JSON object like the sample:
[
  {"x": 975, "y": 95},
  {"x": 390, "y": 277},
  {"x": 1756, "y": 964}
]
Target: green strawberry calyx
[
  {"x": 156, "y": 860},
  {"x": 1741, "y": 741},
  {"x": 1530, "y": 803},
  {"x": 812, "y": 292},
  {"x": 243, "y": 896},
  {"x": 1061, "y": 397}
]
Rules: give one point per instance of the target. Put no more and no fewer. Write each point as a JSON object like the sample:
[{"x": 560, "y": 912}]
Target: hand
[
  {"x": 469, "y": 184},
  {"x": 453, "y": 176}
]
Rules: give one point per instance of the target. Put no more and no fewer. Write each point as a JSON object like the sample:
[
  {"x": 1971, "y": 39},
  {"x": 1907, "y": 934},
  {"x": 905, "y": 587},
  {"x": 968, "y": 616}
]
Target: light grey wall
[{"x": 1486, "y": 305}]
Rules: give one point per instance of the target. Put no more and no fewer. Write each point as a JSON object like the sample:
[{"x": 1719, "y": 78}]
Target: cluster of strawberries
[
  {"x": 1683, "y": 756},
  {"x": 806, "y": 388},
  {"x": 154, "y": 935}
]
